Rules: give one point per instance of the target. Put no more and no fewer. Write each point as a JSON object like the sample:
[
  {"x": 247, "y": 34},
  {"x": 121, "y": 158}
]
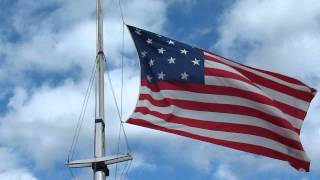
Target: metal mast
[
  {"x": 100, "y": 161},
  {"x": 100, "y": 172}
]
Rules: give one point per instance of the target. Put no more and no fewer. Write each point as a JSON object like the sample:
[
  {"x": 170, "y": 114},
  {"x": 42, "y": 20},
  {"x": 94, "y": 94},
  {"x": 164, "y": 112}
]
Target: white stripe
[
  {"x": 212, "y": 64},
  {"x": 297, "y": 103},
  {"x": 261, "y": 74},
  {"x": 229, "y": 82},
  {"x": 290, "y": 100},
  {"x": 221, "y": 99},
  {"x": 227, "y": 136},
  {"x": 220, "y": 117}
]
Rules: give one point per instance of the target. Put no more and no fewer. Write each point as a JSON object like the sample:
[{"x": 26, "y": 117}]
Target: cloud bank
[{"x": 48, "y": 48}]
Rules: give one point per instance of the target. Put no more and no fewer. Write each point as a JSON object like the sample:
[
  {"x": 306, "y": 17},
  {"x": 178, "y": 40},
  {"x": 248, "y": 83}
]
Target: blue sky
[{"x": 47, "y": 49}]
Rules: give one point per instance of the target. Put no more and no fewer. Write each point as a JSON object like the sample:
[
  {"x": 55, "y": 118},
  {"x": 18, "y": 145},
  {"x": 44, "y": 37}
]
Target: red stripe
[
  {"x": 228, "y": 91},
  {"x": 223, "y": 126},
  {"x": 226, "y": 74},
  {"x": 306, "y": 96},
  {"x": 223, "y": 108},
  {"x": 290, "y": 110},
  {"x": 277, "y": 86},
  {"x": 276, "y": 75},
  {"x": 297, "y": 163}
]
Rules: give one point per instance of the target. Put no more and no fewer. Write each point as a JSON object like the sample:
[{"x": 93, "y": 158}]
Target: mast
[
  {"x": 100, "y": 170},
  {"x": 100, "y": 161}
]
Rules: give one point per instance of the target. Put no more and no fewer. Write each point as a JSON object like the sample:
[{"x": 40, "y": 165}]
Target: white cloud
[
  {"x": 44, "y": 116},
  {"x": 281, "y": 36},
  {"x": 224, "y": 173},
  {"x": 11, "y": 168},
  {"x": 42, "y": 119},
  {"x": 310, "y": 133},
  {"x": 64, "y": 39},
  {"x": 17, "y": 175},
  {"x": 142, "y": 162}
]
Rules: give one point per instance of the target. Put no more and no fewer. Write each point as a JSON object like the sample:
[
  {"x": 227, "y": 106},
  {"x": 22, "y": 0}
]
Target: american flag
[{"x": 199, "y": 94}]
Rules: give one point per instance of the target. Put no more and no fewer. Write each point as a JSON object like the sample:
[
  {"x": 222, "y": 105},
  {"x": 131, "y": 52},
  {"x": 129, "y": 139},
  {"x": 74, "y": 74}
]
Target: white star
[
  {"x": 143, "y": 54},
  {"x": 183, "y": 51},
  {"x": 161, "y": 50},
  {"x": 138, "y": 31},
  {"x": 196, "y": 61},
  {"x": 171, "y": 60},
  {"x": 161, "y": 75},
  {"x": 149, "y": 41},
  {"x": 151, "y": 62},
  {"x": 149, "y": 78},
  {"x": 170, "y": 42},
  {"x": 184, "y": 76}
]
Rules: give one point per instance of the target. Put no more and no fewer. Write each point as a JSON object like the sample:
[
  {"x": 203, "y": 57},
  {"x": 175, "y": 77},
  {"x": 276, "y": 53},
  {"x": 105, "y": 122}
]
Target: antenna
[{"x": 99, "y": 163}]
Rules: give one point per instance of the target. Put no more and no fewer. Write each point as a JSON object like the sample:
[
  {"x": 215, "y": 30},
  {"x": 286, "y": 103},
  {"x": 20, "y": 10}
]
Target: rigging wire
[
  {"x": 121, "y": 97},
  {"x": 81, "y": 118},
  {"x": 117, "y": 108},
  {"x": 121, "y": 94},
  {"x": 82, "y": 114},
  {"x": 73, "y": 177},
  {"x": 118, "y": 149},
  {"x": 122, "y": 69},
  {"x": 123, "y": 170},
  {"x": 121, "y": 10},
  {"x": 125, "y": 173},
  {"x": 118, "y": 112}
]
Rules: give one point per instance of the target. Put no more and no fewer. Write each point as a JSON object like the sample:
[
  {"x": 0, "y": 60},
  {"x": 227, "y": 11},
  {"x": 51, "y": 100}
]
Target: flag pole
[{"x": 100, "y": 170}]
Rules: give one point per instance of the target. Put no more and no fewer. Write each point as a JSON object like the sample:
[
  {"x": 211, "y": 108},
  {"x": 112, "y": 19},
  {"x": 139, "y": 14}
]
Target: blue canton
[{"x": 164, "y": 59}]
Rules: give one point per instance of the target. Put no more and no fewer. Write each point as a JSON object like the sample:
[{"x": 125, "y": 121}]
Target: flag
[{"x": 201, "y": 95}]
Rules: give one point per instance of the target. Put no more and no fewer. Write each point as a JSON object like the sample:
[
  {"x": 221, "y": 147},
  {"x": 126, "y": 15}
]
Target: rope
[
  {"x": 119, "y": 113},
  {"x": 120, "y": 110},
  {"x": 82, "y": 113},
  {"x": 126, "y": 138},
  {"x": 118, "y": 149},
  {"x": 113, "y": 95},
  {"x": 126, "y": 170},
  {"x": 72, "y": 175},
  {"x": 81, "y": 118},
  {"x": 122, "y": 67},
  {"x": 126, "y": 173},
  {"x": 121, "y": 11},
  {"x": 117, "y": 107},
  {"x": 121, "y": 94}
]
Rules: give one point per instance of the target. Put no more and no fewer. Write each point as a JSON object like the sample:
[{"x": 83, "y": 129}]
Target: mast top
[{"x": 100, "y": 26}]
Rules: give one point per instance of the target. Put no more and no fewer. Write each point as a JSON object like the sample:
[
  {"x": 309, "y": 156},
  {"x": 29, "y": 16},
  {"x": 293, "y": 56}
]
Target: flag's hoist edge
[{"x": 234, "y": 105}]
